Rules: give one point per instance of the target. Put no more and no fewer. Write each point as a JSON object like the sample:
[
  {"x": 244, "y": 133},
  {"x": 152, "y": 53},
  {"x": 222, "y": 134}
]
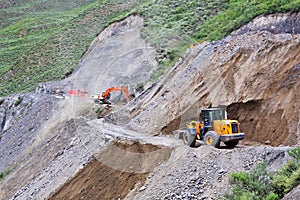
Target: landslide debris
[
  {"x": 126, "y": 172},
  {"x": 21, "y": 118},
  {"x": 256, "y": 74},
  {"x": 55, "y": 150}
]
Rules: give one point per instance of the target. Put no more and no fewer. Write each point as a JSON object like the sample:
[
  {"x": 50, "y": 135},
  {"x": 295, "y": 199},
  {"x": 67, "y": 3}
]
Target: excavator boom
[{"x": 104, "y": 98}]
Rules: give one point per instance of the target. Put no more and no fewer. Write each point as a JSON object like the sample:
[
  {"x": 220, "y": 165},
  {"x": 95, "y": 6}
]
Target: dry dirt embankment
[
  {"x": 255, "y": 74},
  {"x": 130, "y": 164}
]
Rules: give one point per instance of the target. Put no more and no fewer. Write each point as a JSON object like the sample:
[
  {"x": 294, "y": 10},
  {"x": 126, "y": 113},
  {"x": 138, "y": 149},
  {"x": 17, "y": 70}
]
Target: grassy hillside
[{"x": 44, "y": 40}]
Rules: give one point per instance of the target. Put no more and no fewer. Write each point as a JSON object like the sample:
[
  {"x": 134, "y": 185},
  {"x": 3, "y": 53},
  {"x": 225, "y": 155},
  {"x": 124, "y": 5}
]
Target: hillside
[
  {"x": 45, "y": 40},
  {"x": 62, "y": 155},
  {"x": 55, "y": 145}
]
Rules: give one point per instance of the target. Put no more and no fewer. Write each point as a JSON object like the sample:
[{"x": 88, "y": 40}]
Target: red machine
[{"x": 104, "y": 98}]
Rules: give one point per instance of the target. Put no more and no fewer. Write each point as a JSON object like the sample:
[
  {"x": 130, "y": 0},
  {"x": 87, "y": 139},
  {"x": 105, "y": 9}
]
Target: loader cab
[{"x": 207, "y": 116}]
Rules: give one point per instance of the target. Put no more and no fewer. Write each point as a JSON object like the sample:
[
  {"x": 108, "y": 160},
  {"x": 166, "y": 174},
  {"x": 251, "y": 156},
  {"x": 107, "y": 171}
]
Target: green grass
[
  {"x": 44, "y": 40},
  {"x": 170, "y": 25},
  {"x": 48, "y": 38},
  {"x": 240, "y": 12}
]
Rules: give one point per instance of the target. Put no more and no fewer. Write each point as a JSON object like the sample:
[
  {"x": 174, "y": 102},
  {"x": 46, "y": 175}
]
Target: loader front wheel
[
  {"x": 211, "y": 138},
  {"x": 189, "y": 139}
]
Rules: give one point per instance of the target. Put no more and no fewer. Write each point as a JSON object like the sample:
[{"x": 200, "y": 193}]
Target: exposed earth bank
[
  {"x": 255, "y": 74},
  {"x": 65, "y": 152}
]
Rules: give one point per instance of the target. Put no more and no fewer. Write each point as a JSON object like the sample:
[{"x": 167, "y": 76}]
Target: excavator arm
[{"x": 106, "y": 94}]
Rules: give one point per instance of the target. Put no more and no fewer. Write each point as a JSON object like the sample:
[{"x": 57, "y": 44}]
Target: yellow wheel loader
[{"x": 212, "y": 128}]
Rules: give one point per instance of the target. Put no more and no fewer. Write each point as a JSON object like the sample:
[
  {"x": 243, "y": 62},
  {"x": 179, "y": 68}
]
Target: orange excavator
[{"x": 104, "y": 98}]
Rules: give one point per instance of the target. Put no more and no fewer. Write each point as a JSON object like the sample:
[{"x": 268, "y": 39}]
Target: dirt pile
[
  {"x": 255, "y": 74},
  {"x": 100, "y": 180}
]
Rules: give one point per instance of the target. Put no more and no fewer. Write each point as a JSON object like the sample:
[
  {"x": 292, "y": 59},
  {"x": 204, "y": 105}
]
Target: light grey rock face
[
  {"x": 293, "y": 195},
  {"x": 21, "y": 117},
  {"x": 275, "y": 23}
]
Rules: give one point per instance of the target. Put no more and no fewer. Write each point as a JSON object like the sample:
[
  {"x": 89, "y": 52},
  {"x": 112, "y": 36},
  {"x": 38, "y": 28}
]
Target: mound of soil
[
  {"x": 115, "y": 172},
  {"x": 98, "y": 181}
]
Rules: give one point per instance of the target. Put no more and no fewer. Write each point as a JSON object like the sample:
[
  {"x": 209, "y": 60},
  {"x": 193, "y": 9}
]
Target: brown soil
[
  {"x": 98, "y": 181},
  {"x": 133, "y": 146},
  {"x": 273, "y": 125},
  {"x": 172, "y": 126},
  {"x": 256, "y": 75},
  {"x": 115, "y": 172}
]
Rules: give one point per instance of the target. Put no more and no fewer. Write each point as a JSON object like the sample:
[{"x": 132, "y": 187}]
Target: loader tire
[
  {"x": 231, "y": 144},
  {"x": 188, "y": 138},
  {"x": 211, "y": 138}
]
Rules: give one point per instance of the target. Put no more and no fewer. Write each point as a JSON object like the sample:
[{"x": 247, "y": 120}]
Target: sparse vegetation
[
  {"x": 18, "y": 101},
  {"x": 260, "y": 184},
  {"x": 98, "y": 110},
  {"x": 5, "y": 173},
  {"x": 44, "y": 40}
]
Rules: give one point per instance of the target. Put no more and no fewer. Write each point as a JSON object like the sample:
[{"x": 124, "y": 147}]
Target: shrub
[
  {"x": 250, "y": 185},
  {"x": 5, "y": 173},
  {"x": 259, "y": 184},
  {"x": 295, "y": 153},
  {"x": 288, "y": 176},
  {"x": 272, "y": 196}
]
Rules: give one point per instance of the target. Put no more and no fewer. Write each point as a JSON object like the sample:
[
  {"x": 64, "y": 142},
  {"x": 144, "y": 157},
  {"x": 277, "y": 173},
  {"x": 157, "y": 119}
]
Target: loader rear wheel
[
  {"x": 189, "y": 139},
  {"x": 212, "y": 138},
  {"x": 231, "y": 144}
]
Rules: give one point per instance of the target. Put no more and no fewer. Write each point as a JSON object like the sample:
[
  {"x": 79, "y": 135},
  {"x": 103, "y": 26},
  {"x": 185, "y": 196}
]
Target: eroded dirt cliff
[{"x": 255, "y": 74}]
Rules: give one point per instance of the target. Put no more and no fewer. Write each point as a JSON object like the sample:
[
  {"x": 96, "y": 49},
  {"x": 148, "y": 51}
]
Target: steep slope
[
  {"x": 61, "y": 143},
  {"x": 255, "y": 74}
]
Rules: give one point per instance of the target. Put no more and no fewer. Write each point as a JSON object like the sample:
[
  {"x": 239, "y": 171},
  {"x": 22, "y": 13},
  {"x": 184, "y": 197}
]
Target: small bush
[
  {"x": 18, "y": 101},
  {"x": 295, "y": 153},
  {"x": 272, "y": 196},
  {"x": 5, "y": 173},
  {"x": 288, "y": 176},
  {"x": 252, "y": 185},
  {"x": 259, "y": 184},
  {"x": 98, "y": 110}
]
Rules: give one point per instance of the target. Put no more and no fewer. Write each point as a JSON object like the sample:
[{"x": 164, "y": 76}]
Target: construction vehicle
[
  {"x": 104, "y": 98},
  {"x": 212, "y": 128}
]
